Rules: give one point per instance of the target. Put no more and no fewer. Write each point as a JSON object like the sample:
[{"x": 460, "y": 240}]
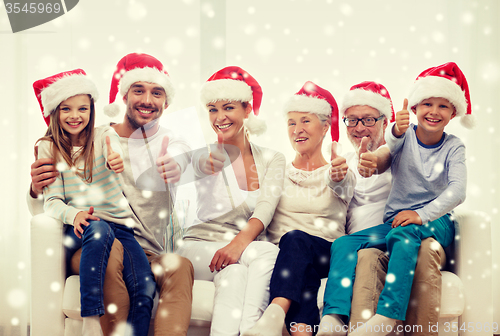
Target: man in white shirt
[{"x": 367, "y": 110}]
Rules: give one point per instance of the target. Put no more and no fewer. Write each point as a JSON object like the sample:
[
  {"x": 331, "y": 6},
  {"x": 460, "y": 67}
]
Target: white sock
[
  {"x": 378, "y": 325},
  {"x": 91, "y": 326},
  {"x": 270, "y": 323},
  {"x": 331, "y": 325}
]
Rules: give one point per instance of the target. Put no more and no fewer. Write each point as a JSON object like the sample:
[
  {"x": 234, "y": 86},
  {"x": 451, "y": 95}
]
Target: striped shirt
[{"x": 70, "y": 194}]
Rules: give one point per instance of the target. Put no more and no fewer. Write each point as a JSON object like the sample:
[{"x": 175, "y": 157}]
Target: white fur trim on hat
[
  {"x": 225, "y": 89},
  {"x": 304, "y": 103},
  {"x": 364, "y": 97},
  {"x": 435, "y": 86},
  {"x": 112, "y": 110},
  {"x": 64, "y": 88},
  {"x": 255, "y": 125},
  {"x": 149, "y": 75}
]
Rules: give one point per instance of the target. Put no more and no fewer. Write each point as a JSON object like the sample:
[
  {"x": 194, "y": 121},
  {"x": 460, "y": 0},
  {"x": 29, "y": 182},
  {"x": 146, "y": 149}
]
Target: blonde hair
[{"x": 62, "y": 146}]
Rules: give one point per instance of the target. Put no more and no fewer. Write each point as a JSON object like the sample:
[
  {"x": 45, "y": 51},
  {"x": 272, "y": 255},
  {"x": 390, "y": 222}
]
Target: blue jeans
[
  {"x": 96, "y": 243},
  {"x": 403, "y": 243}
]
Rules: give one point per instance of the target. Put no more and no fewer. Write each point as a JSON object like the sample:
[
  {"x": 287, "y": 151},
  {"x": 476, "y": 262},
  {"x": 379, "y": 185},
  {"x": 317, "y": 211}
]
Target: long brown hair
[{"x": 61, "y": 143}]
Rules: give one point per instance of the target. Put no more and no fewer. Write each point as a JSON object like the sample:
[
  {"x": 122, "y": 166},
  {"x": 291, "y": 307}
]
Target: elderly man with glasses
[{"x": 367, "y": 110}]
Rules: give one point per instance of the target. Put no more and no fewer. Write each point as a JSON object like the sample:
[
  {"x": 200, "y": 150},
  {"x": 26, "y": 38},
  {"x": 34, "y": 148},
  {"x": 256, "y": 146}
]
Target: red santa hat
[
  {"x": 133, "y": 68},
  {"x": 371, "y": 94},
  {"x": 232, "y": 83},
  {"x": 53, "y": 90},
  {"x": 312, "y": 98},
  {"x": 444, "y": 81}
]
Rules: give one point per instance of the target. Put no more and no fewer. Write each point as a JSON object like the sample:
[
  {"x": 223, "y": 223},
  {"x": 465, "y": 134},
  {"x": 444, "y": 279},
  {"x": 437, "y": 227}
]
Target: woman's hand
[
  {"x": 406, "y": 217},
  {"x": 214, "y": 162},
  {"x": 338, "y": 169},
  {"x": 226, "y": 256},
  {"x": 115, "y": 161},
  {"x": 81, "y": 221}
]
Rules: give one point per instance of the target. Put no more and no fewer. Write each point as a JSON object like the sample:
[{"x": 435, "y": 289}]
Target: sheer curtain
[{"x": 282, "y": 43}]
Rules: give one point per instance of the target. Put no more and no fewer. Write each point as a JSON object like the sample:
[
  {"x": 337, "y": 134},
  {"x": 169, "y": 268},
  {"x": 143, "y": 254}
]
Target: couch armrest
[
  {"x": 47, "y": 276},
  {"x": 473, "y": 257}
]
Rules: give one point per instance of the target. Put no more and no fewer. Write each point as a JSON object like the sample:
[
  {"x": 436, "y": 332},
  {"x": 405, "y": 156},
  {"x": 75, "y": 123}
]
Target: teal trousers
[{"x": 402, "y": 243}]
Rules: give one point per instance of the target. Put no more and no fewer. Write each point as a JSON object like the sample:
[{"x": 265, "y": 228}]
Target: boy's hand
[
  {"x": 367, "y": 163},
  {"x": 402, "y": 121},
  {"x": 406, "y": 217},
  {"x": 214, "y": 163},
  {"x": 81, "y": 220},
  {"x": 338, "y": 169},
  {"x": 167, "y": 166},
  {"x": 115, "y": 161}
]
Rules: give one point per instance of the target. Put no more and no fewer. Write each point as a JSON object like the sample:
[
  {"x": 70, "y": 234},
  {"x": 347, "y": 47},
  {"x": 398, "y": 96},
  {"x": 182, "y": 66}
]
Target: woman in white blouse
[{"x": 238, "y": 187}]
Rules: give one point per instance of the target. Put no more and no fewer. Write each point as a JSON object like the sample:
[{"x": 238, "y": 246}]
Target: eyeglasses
[{"x": 368, "y": 122}]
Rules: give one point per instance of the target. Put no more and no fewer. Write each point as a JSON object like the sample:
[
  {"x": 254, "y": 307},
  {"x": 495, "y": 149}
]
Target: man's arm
[{"x": 43, "y": 173}]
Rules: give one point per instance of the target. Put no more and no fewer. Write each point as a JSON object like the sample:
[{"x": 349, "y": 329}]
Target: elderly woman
[
  {"x": 239, "y": 185},
  {"x": 309, "y": 216}
]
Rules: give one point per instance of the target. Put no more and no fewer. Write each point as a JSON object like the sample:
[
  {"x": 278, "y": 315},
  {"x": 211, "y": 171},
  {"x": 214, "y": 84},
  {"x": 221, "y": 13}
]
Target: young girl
[{"x": 88, "y": 199}]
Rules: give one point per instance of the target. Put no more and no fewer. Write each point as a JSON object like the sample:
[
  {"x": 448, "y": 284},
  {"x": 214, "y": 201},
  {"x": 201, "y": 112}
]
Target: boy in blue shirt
[{"x": 428, "y": 181}]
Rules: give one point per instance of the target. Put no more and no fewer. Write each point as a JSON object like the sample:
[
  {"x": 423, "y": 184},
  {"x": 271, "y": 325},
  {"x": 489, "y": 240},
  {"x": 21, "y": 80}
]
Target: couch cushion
[
  {"x": 71, "y": 298},
  {"x": 201, "y": 315},
  {"x": 452, "y": 295},
  {"x": 203, "y": 302}
]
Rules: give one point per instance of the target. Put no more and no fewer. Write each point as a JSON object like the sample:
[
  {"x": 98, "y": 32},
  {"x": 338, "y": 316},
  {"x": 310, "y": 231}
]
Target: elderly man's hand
[{"x": 367, "y": 163}]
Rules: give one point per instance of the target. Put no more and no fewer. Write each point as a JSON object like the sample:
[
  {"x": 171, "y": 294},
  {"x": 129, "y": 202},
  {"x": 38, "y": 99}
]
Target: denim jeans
[{"x": 96, "y": 243}]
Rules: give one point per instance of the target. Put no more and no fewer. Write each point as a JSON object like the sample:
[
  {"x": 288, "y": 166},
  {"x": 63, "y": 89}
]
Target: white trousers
[{"x": 241, "y": 289}]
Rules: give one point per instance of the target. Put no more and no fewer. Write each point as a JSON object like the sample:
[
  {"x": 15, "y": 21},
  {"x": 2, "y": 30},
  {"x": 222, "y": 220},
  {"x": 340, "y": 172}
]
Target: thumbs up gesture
[
  {"x": 402, "y": 121},
  {"x": 115, "y": 161},
  {"x": 338, "y": 169},
  {"x": 214, "y": 162},
  {"x": 167, "y": 166},
  {"x": 367, "y": 163}
]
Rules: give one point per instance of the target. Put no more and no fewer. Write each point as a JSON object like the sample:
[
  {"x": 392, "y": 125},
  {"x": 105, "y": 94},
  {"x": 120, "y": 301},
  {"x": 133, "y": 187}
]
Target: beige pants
[
  {"x": 425, "y": 298},
  {"x": 174, "y": 276}
]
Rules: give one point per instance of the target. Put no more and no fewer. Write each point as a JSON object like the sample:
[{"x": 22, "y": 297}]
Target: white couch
[{"x": 466, "y": 298}]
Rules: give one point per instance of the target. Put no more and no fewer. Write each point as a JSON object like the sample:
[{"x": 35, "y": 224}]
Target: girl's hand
[
  {"x": 226, "y": 256},
  {"x": 81, "y": 220},
  {"x": 406, "y": 217},
  {"x": 115, "y": 161}
]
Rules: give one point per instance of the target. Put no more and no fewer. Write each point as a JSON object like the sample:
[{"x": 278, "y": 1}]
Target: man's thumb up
[
  {"x": 164, "y": 145},
  {"x": 108, "y": 146},
  {"x": 363, "y": 146}
]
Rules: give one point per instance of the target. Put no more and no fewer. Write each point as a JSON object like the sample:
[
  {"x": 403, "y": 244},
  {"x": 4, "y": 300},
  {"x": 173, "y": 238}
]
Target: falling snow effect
[{"x": 266, "y": 43}]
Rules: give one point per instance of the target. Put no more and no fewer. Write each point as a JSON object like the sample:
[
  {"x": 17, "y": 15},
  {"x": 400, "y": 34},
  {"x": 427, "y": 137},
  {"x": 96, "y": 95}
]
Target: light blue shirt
[{"x": 430, "y": 180}]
